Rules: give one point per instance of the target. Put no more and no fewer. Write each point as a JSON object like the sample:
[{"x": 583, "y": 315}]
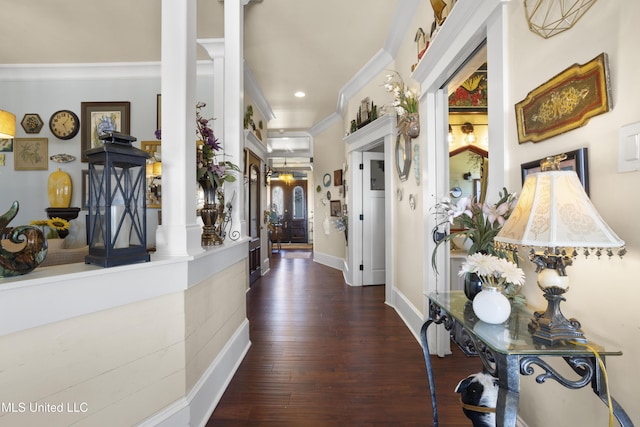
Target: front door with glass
[{"x": 290, "y": 203}]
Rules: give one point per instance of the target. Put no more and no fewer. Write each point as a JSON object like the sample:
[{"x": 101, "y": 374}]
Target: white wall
[
  {"x": 133, "y": 357},
  {"x": 157, "y": 341},
  {"x": 47, "y": 91},
  {"x": 407, "y": 250},
  {"x": 328, "y": 156},
  {"x": 603, "y": 294}
]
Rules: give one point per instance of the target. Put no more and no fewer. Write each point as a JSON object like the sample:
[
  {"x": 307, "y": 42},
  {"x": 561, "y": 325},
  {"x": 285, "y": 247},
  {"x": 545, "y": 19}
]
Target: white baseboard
[
  {"x": 328, "y": 260},
  {"x": 410, "y": 315},
  {"x": 196, "y": 408}
]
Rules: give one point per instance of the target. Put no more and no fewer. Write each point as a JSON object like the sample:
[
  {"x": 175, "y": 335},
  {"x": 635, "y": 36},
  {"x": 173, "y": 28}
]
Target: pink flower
[
  {"x": 463, "y": 207},
  {"x": 496, "y": 213}
]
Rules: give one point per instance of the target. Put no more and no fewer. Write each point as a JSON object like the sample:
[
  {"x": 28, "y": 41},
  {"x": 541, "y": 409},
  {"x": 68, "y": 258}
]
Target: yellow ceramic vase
[{"x": 59, "y": 189}]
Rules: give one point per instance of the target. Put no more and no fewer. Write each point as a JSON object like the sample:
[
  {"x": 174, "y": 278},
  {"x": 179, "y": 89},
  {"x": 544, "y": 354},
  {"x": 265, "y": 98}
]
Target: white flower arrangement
[
  {"x": 405, "y": 100},
  {"x": 480, "y": 222},
  {"x": 497, "y": 273}
]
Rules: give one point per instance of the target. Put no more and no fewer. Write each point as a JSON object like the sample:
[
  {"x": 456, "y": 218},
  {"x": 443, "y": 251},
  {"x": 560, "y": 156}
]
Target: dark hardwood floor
[{"x": 327, "y": 354}]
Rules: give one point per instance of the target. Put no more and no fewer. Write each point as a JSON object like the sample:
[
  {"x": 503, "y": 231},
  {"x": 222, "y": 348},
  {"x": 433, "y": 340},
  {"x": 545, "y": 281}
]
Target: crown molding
[
  {"x": 325, "y": 124},
  {"x": 367, "y": 73},
  {"x": 252, "y": 88},
  {"x": 402, "y": 19},
  {"x": 90, "y": 71}
]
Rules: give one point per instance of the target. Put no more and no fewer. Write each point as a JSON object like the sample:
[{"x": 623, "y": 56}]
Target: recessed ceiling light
[{"x": 300, "y": 94}]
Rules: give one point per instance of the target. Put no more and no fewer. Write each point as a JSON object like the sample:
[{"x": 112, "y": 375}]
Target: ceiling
[{"x": 290, "y": 45}]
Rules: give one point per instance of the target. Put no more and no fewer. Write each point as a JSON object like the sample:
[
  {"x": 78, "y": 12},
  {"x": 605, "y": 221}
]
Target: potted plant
[
  {"x": 476, "y": 222},
  {"x": 405, "y": 103},
  {"x": 501, "y": 281}
]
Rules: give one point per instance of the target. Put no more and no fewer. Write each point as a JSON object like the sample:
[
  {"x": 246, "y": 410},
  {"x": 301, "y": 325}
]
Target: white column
[
  {"x": 234, "y": 106},
  {"x": 218, "y": 89},
  {"x": 215, "y": 50},
  {"x": 179, "y": 233}
]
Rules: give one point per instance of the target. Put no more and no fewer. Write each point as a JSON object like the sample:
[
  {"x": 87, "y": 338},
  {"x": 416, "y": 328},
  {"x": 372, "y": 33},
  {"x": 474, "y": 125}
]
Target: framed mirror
[
  {"x": 468, "y": 167},
  {"x": 403, "y": 156}
]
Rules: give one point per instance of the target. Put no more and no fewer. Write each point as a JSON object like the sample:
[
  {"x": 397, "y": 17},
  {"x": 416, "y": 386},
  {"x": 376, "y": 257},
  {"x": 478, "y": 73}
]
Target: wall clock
[
  {"x": 64, "y": 124},
  {"x": 32, "y": 123}
]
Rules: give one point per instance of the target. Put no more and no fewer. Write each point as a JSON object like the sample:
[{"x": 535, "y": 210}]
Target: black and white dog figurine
[{"x": 479, "y": 395}]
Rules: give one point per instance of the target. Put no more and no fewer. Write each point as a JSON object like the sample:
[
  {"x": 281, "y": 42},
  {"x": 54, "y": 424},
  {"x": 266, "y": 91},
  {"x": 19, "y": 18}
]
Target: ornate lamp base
[{"x": 551, "y": 326}]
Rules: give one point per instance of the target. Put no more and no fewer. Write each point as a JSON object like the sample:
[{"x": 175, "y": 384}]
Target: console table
[{"x": 508, "y": 351}]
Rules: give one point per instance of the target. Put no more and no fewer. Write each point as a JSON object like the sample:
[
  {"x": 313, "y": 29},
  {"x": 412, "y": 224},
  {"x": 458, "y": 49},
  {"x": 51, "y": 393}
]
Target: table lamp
[
  {"x": 7, "y": 125},
  {"x": 555, "y": 219}
]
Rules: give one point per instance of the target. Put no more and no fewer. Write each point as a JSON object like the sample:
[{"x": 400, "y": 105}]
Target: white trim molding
[
  {"x": 90, "y": 71},
  {"x": 196, "y": 408},
  {"x": 469, "y": 25},
  {"x": 380, "y": 132}
]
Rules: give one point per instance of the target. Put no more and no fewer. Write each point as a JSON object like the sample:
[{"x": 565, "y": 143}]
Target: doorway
[
  {"x": 289, "y": 200},
  {"x": 373, "y": 222},
  {"x": 254, "y": 210},
  {"x": 379, "y": 138}
]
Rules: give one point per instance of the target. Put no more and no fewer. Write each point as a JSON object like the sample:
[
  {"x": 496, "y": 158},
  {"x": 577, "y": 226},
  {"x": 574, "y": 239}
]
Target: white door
[{"x": 373, "y": 228}]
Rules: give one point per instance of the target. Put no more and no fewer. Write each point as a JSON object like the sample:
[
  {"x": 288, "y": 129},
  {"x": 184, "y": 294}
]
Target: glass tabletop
[{"x": 512, "y": 336}]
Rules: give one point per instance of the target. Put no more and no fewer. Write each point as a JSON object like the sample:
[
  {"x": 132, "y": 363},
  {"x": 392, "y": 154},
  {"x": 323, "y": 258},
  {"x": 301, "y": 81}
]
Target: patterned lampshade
[
  {"x": 554, "y": 211},
  {"x": 555, "y": 218}
]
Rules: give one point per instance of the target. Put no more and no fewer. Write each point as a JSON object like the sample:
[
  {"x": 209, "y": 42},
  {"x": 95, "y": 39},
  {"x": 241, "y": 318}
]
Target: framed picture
[
  {"x": 576, "y": 160},
  {"x": 337, "y": 177},
  {"x": 158, "y": 111},
  {"x": 565, "y": 102},
  {"x": 32, "y": 123},
  {"x": 471, "y": 95},
  {"x": 30, "y": 154},
  {"x": 336, "y": 208},
  {"x": 99, "y": 117},
  {"x": 6, "y": 144},
  {"x": 85, "y": 189}
]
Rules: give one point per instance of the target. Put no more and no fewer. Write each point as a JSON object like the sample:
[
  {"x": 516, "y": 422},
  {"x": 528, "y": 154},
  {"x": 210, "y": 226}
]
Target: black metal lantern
[{"x": 117, "y": 225}]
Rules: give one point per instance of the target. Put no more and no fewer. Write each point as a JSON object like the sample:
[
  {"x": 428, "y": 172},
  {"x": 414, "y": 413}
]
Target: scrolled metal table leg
[{"x": 427, "y": 359}]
